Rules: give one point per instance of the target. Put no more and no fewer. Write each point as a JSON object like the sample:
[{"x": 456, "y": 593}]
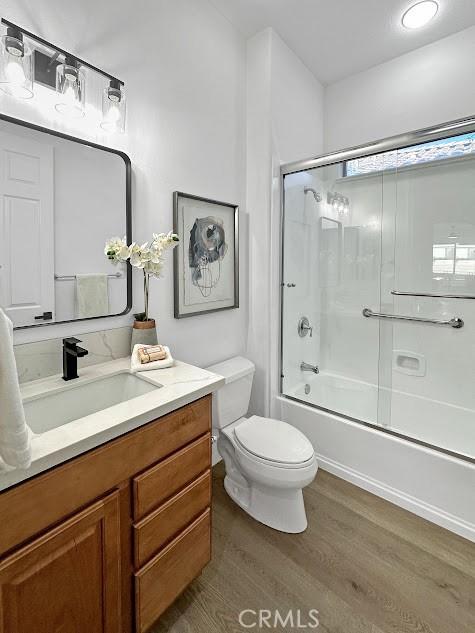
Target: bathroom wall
[
  {"x": 428, "y": 86},
  {"x": 284, "y": 123},
  {"x": 184, "y": 69}
]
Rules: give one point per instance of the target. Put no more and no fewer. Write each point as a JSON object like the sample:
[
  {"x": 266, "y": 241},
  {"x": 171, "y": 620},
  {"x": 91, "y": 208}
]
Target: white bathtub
[
  {"x": 436, "y": 423},
  {"x": 432, "y": 484}
]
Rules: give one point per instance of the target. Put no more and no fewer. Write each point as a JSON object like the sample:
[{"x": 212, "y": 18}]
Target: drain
[{"x": 307, "y": 389}]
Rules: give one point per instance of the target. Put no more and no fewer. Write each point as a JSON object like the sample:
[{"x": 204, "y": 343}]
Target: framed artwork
[{"x": 206, "y": 260}]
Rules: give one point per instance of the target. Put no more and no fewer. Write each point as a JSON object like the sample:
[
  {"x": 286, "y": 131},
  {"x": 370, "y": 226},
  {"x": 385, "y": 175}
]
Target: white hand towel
[
  {"x": 15, "y": 448},
  {"x": 136, "y": 365},
  {"x": 92, "y": 293}
]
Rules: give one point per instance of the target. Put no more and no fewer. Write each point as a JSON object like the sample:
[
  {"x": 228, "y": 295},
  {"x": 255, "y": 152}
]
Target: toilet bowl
[{"x": 267, "y": 461}]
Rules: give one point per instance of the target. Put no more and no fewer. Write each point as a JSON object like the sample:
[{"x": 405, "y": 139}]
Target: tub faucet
[
  {"x": 71, "y": 353},
  {"x": 307, "y": 367}
]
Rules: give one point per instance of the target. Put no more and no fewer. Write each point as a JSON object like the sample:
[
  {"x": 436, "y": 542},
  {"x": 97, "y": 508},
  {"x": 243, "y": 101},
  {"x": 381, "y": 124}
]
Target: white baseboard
[{"x": 399, "y": 498}]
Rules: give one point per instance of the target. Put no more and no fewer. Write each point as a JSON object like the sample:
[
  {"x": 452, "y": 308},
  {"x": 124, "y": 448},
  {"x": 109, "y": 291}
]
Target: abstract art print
[{"x": 207, "y": 257}]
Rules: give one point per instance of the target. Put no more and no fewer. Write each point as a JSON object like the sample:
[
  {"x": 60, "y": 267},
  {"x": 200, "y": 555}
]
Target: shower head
[{"x": 316, "y": 195}]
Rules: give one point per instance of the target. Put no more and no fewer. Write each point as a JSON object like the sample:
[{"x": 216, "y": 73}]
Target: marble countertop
[{"x": 176, "y": 386}]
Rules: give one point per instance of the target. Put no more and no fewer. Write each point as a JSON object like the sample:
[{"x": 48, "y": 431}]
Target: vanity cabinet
[
  {"x": 69, "y": 578},
  {"x": 107, "y": 541}
]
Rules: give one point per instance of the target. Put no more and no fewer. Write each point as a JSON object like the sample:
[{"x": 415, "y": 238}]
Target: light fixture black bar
[{"x": 40, "y": 40}]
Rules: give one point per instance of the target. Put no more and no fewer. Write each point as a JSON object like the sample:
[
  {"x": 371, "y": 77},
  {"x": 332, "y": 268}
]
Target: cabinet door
[{"x": 68, "y": 580}]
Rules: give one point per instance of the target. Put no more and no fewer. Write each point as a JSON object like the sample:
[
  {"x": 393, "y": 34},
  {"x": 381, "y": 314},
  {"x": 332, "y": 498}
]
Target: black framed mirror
[{"x": 62, "y": 198}]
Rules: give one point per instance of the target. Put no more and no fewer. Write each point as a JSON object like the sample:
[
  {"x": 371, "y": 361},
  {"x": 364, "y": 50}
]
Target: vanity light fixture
[
  {"x": 16, "y": 65},
  {"x": 70, "y": 89},
  {"x": 20, "y": 69},
  {"x": 420, "y": 14},
  {"x": 113, "y": 108}
]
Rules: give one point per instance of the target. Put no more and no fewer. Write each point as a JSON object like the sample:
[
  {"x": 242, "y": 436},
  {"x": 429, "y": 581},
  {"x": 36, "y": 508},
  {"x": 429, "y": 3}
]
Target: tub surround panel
[{"x": 44, "y": 358}]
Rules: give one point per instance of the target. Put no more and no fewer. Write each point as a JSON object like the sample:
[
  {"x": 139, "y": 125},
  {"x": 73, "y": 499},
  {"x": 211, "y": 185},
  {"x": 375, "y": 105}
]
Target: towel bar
[
  {"x": 456, "y": 322},
  {"x": 73, "y": 277},
  {"x": 400, "y": 293}
]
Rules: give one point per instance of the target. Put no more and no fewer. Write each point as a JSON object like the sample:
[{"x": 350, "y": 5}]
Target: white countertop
[{"x": 176, "y": 386}]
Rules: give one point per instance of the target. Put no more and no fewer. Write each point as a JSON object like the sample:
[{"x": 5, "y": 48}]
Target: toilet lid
[{"x": 273, "y": 440}]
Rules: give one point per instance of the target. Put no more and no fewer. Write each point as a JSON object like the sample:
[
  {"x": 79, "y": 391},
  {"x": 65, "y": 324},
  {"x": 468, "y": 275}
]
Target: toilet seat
[{"x": 273, "y": 442}]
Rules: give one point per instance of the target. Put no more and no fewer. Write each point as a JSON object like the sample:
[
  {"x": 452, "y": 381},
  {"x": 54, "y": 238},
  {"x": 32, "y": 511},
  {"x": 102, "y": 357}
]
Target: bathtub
[
  {"x": 416, "y": 417},
  {"x": 435, "y": 484}
]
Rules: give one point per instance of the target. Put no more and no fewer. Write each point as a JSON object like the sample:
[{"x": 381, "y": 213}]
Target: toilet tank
[{"x": 231, "y": 402}]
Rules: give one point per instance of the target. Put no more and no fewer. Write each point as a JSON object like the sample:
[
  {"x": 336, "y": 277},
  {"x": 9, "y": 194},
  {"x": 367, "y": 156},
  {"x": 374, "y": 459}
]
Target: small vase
[{"x": 144, "y": 333}]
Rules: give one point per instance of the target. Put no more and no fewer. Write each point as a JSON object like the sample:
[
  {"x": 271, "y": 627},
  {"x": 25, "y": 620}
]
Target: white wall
[
  {"x": 428, "y": 86},
  {"x": 284, "y": 122},
  {"x": 184, "y": 69},
  {"x": 297, "y": 104}
]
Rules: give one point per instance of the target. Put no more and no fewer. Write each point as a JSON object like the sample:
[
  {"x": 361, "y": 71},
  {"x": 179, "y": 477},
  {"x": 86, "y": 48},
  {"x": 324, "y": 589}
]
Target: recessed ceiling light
[{"x": 420, "y": 14}]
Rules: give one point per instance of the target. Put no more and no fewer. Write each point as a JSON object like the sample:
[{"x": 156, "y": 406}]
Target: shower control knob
[{"x": 304, "y": 327}]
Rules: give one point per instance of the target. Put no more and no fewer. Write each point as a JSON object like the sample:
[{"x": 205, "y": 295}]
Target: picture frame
[{"x": 206, "y": 260}]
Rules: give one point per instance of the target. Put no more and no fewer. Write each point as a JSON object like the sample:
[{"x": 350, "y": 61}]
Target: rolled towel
[{"x": 152, "y": 352}]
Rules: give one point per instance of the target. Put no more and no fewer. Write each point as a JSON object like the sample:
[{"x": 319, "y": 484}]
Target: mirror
[{"x": 61, "y": 199}]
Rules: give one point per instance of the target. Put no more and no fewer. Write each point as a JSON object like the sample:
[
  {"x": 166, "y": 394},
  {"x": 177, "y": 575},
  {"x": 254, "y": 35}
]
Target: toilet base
[{"x": 280, "y": 509}]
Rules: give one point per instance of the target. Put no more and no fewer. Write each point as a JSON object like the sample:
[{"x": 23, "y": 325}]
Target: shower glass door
[
  {"x": 331, "y": 268},
  {"x": 387, "y": 235},
  {"x": 432, "y": 366}
]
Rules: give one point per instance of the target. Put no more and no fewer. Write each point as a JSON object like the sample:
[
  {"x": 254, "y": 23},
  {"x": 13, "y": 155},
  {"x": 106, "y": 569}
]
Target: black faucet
[{"x": 71, "y": 353}]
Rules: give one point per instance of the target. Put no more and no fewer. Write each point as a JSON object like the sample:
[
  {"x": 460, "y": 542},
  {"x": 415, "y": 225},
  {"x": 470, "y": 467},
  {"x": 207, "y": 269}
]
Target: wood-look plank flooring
[{"x": 366, "y": 565}]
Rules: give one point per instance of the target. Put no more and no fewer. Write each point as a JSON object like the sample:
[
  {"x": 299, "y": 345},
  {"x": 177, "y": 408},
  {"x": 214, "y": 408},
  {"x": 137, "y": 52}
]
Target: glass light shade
[
  {"x": 16, "y": 68},
  {"x": 113, "y": 108},
  {"x": 70, "y": 90},
  {"x": 420, "y": 14}
]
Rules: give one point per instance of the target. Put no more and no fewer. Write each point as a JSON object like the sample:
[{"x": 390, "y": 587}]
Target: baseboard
[{"x": 399, "y": 498}]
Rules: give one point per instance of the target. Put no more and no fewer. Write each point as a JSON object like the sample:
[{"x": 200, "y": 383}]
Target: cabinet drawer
[
  {"x": 160, "y": 482},
  {"x": 164, "y": 578},
  {"x": 153, "y": 532}
]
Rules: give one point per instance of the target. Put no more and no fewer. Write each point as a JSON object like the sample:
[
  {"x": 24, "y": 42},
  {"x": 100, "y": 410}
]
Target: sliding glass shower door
[
  {"x": 378, "y": 296},
  {"x": 432, "y": 365},
  {"x": 332, "y": 265}
]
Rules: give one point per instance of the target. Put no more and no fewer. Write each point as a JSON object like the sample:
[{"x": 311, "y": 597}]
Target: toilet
[{"x": 267, "y": 461}]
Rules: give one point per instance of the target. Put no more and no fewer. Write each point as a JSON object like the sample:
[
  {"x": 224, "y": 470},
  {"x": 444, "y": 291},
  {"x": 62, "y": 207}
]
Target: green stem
[{"x": 145, "y": 291}]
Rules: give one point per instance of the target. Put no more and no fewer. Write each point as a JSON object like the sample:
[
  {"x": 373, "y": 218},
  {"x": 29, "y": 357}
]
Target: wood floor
[{"x": 366, "y": 565}]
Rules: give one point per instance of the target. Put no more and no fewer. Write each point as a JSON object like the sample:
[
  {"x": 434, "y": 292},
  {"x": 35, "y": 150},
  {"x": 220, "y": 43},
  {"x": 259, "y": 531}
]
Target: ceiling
[{"x": 337, "y": 38}]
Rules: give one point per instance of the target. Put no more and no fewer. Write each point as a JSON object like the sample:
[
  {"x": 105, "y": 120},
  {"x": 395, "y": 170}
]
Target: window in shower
[
  {"x": 442, "y": 149},
  {"x": 397, "y": 239}
]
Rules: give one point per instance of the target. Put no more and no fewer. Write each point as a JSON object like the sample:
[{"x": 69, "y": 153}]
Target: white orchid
[
  {"x": 117, "y": 250},
  {"x": 146, "y": 257}
]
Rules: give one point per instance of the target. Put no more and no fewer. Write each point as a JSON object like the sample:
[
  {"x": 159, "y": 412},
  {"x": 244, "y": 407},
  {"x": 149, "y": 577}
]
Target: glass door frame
[{"x": 392, "y": 143}]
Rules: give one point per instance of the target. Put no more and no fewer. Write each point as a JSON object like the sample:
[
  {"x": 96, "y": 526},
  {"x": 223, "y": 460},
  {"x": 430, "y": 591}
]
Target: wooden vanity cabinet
[
  {"x": 69, "y": 578},
  {"x": 105, "y": 542}
]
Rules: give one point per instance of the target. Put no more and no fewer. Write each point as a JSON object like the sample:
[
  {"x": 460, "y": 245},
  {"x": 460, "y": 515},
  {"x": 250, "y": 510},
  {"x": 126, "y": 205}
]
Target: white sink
[{"x": 78, "y": 400}]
